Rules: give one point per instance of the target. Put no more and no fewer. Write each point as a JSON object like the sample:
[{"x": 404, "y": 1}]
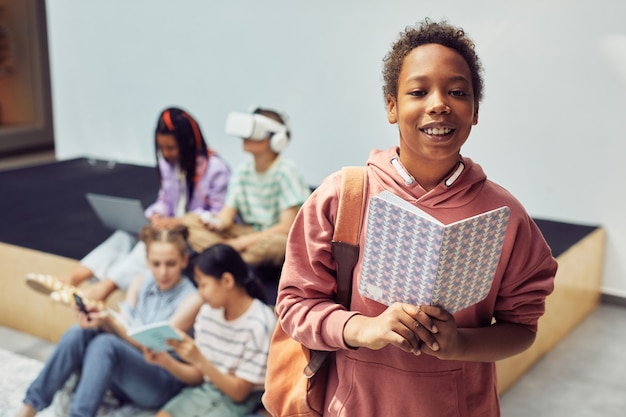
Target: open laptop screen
[{"x": 118, "y": 213}]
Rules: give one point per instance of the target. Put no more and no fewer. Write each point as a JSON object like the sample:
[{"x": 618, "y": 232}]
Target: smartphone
[{"x": 81, "y": 305}]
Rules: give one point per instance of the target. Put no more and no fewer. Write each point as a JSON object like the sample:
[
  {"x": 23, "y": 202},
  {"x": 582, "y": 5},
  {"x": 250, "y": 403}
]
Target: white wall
[{"x": 551, "y": 125}]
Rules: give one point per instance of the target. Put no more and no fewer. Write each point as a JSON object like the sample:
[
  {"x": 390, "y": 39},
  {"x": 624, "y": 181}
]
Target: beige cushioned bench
[{"x": 576, "y": 295}]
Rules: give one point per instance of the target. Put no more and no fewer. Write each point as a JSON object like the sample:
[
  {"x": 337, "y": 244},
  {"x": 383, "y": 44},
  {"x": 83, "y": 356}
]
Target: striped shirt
[
  {"x": 261, "y": 197},
  {"x": 238, "y": 346}
]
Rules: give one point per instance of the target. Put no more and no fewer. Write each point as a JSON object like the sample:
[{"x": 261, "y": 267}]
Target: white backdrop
[{"x": 550, "y": 129}]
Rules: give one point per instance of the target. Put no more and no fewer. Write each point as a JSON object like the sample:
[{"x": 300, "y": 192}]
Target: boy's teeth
[{"x": 438, "y": 131}]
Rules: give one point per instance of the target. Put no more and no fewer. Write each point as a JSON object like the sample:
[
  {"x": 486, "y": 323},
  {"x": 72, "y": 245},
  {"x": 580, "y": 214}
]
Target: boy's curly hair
[{"x": 427, "y": 32}]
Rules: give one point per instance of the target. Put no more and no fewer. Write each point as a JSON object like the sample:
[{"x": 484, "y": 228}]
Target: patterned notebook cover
[{"x": 411, "y": 257}]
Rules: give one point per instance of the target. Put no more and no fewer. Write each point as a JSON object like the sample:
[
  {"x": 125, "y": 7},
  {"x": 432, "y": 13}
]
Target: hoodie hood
[{"x": 458, "y": 189}]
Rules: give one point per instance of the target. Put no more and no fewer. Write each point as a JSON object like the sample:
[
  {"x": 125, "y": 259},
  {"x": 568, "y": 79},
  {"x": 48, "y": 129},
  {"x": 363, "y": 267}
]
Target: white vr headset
[{"x": 258, "y": 127}]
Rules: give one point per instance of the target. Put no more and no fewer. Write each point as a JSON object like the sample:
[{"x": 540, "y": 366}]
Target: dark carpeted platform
[
  {"x": 561, "y": 236},
  {"x": 44, "y": 207}
]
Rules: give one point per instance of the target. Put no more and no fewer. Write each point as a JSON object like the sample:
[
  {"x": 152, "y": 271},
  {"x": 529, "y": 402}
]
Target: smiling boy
[{"x": 404, "y": 359}]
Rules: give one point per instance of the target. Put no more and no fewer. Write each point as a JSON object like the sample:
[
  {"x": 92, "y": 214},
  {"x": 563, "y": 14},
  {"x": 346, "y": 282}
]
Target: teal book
[
  {"x": 411, "y": 257},
  {"x": 153, "y": 336}
]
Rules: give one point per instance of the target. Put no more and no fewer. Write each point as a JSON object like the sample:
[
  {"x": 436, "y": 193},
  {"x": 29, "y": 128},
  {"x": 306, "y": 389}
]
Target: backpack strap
[{"x": 345, "y": 244}]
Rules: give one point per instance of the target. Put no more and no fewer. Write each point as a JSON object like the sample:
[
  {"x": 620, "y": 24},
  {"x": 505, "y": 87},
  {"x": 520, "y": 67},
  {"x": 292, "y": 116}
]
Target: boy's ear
[
  {"x": 185, "y": 260},
  {"x": 392, "y": 105},
  {"x": 475, "y": 120}
]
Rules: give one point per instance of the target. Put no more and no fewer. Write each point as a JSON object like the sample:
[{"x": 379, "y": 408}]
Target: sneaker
[
  {"x": 66, "y": 296},
  {"x": 46, "y": 283}
]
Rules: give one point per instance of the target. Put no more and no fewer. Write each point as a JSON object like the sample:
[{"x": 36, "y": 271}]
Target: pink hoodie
[{"x": 390, "y": 382}]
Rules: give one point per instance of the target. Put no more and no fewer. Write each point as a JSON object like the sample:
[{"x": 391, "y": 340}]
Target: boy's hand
[
  {"x": 212, "y": 222},
  {"x": 401, "y": 325},
  {"x": 448, "y": 339}
]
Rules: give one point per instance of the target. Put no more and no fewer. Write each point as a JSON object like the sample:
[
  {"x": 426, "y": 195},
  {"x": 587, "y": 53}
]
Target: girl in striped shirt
[{"x": 226, "y": 362}]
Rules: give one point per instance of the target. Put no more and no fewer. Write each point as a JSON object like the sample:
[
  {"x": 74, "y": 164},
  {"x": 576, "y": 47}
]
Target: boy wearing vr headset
[{"x": 263, "y": 197}]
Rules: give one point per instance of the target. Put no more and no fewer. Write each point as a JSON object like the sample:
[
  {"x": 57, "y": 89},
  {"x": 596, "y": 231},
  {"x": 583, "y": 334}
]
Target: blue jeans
[{"x": 105, "y": 362}]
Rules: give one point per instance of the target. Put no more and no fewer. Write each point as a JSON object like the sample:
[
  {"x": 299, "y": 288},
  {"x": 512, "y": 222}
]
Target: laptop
[{"x": 118, "y": 213}]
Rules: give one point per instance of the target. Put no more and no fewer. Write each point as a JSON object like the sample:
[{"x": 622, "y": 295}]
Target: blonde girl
[{"x": 99, "y": 349}]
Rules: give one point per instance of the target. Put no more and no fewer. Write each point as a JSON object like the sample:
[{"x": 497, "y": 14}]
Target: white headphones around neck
[{"x": 258, "y": 127}]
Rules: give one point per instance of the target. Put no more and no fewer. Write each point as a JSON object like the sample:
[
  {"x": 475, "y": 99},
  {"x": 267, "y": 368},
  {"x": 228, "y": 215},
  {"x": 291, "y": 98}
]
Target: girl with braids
[
  {"x": 193, "y": 179},
  {"x": 225, "y": 365},
  {"x": 99, "y": 348}
]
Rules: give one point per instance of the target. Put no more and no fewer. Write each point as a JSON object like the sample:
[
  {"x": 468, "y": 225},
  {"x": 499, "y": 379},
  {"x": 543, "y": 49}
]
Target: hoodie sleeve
[
  {"x": 305, "y": 305},
  {"x": 528, "y": 278}
]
